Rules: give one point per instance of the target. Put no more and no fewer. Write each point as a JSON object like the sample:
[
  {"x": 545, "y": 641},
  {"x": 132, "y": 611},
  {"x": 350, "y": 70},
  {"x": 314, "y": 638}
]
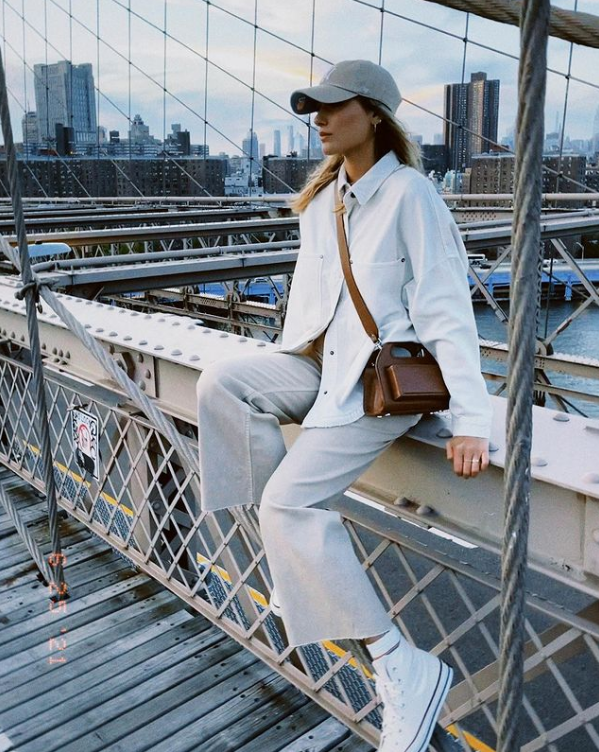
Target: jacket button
[{"x": 332, "y": 352}]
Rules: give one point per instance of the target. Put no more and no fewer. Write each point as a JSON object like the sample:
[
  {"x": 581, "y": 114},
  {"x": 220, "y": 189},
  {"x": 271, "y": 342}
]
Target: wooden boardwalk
[{"x": 140, "y": 671}]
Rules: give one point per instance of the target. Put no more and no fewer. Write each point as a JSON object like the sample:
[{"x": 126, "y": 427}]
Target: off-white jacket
[{"x": 410, "y": 265}]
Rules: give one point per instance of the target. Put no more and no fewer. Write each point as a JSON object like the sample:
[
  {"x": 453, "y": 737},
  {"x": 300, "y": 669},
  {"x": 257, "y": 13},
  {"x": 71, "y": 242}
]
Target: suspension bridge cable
[
  {"x": 573, "y": 26},
  {"x": 29, "y": 292},
  {"x": 532, "y": 76},
  {"x": 457, "y": 37}
]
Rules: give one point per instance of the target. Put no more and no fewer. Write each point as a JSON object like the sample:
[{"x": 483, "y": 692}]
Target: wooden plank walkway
[{"x": 141, "y": 672}]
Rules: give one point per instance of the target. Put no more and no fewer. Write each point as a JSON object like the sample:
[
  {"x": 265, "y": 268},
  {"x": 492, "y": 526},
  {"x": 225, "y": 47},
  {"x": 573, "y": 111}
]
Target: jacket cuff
[{"x": 468, "y": 427}]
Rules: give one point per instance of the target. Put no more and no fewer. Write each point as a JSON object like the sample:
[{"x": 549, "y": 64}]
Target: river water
[{"x": 580, "y": 338}]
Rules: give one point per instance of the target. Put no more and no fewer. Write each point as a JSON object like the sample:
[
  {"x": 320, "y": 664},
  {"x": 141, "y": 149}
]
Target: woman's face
[{"x": 345, "y": 128}]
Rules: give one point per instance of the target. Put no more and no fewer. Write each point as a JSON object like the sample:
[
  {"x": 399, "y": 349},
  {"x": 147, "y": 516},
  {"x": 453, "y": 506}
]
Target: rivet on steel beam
[
  {"x": 493, "y": 447},
  {"x": 561, "y": 417},
  {"x": 78, "y": 300},
  {"x": 127, "y": 338},
  {"x": 444, "y": 433},
  {"x": 176, "y": 323},
  {"x": 401, "y": 501},
  {"x": 89, "y": 302},
  {"x": 143, "y": 341},
  {"x": 242, "y": 339},
  {"x": 148, "y": 316},
  {"x": 99, "y": 329},
  {"x": 175, "y": 352},
  {"x": 206, "y": 331},
  {"x": 88, "y": 326},
  {"x": 423, "y": 510},
  {"x": 591, "y": 477},
  {"x": 54, "y": 351},
  {"x": 142, "y": 385},
  {"x": 134, "y": 313},
  {"x": 140, "y": 357},
  {"x": 162, "y": 319},
  {"x": 223, "y": 334},
  {"x": 147, "y": 374},
  {"x": 122, "y": 310},
  {"x": 538, "y": 461},
  {"x": 60, "y": 352},
  {"x": 112, "y": 334},
  {"x": 67, "y": 354},
  {"x": 192, "y": 326},
  {"x": 261, "y": 344},
  {"x": 193, "y": 358},
  {"x": 158, "y": 347}
]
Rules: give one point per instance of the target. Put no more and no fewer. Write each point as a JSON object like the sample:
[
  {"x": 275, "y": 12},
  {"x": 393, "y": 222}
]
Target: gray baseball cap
[{"x": 346, "y": 80}]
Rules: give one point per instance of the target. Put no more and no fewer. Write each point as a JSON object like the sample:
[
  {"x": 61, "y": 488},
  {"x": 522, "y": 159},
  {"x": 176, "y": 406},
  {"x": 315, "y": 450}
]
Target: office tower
[
  {"x": 471, "y": 117},
  {"x": 290, "y": 139},
  {"x": 64, "y": 94},
  {"x": 251, "y": 152},
  {"x": 300, "y": 145},
  {"x": 315, "y": 144},
  {"x": 595, "y": 136},
  {"x": 139, "y": 133},
  {"x": 30, "y": 129},
  {"x": 276, "y": 145}
]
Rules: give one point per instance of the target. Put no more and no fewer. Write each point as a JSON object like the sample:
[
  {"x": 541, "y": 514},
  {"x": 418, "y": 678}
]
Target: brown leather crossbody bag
[{"x": 401, "y": 378}]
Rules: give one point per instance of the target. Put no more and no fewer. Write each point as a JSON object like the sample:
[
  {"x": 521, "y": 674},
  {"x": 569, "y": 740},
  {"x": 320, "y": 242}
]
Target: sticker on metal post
[{"x": 85, "y": 442}]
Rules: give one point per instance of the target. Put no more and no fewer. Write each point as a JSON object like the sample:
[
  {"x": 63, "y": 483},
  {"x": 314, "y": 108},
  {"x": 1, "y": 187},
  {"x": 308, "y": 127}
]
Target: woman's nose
[{"x": 319, "y": 118}]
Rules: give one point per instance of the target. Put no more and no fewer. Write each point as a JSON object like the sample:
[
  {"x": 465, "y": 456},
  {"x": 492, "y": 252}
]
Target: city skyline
[{"x": 280, "y": 67}]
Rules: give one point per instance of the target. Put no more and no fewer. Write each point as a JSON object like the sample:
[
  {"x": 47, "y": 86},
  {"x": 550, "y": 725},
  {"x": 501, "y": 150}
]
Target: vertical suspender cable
[
  {"x": 534, "y": 25},
  {"x": 30, "y": 294}
]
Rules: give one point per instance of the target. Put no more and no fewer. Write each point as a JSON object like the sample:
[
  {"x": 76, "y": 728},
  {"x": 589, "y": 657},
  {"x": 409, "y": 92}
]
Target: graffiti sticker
[{"x": 85, "y": 442}]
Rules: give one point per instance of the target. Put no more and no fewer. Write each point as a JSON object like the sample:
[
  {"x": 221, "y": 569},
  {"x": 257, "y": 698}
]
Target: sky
[{"x": 251, "y": 72}]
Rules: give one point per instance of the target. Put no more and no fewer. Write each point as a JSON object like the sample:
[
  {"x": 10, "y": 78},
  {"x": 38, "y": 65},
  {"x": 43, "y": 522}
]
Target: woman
[{"x": 411, "y": 268}]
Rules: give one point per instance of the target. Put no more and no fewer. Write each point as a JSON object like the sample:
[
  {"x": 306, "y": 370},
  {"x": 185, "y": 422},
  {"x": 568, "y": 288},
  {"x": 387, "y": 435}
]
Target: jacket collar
[{"x": 365, "y": 188}]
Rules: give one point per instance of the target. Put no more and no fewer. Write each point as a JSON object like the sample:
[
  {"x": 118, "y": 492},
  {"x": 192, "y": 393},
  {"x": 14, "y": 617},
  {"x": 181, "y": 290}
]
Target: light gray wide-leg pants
[{"x": 323, "y": 591}]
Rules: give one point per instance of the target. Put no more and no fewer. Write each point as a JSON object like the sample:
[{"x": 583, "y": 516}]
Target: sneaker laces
[{"x": 391, "y": 693}]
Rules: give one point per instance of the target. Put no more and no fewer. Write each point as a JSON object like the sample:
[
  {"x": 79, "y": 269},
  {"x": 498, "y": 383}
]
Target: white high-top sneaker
[
  {"x": 412, "y": 685},
  {"x": 274, "y": 604}
]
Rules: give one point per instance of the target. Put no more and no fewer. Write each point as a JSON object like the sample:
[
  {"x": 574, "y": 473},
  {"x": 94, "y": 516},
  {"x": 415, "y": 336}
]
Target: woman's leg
[
  {"x": 323, "y": 591},
  {"x": 242, "y": 401}
]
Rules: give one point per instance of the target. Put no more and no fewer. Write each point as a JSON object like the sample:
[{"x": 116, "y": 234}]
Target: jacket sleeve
[{"x": 440, "y": 307}]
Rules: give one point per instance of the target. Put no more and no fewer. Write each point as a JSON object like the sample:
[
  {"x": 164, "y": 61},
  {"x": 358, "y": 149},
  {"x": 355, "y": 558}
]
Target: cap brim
[{"x": 305, "y": 101}]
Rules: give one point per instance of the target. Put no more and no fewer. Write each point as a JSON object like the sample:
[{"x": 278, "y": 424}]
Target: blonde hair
[{"x": 390, "y": 135}]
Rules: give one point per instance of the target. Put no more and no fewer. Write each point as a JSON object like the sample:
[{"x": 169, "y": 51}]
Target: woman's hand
[{"x": 470, "y": 455}]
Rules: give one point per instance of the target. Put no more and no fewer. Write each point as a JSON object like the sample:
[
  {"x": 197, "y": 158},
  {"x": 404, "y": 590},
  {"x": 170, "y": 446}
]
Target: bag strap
[{"x": 368, "y": 322}]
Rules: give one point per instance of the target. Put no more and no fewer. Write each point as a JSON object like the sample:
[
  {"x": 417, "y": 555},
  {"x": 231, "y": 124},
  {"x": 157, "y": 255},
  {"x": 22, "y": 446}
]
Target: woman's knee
[{"x": 215, "y": 378}]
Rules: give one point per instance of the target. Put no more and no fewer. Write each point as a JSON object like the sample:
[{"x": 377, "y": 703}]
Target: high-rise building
[
  {"x": 251, "y": 152},
  {"x": 595, "y": 136},
  {"x": 139, "y": 133},
  {"x": 471, "y": 118},
  {"x": 290, "y": 139},
  {"x": 65, "y": 94},
  {"x": 276, "y": 145},
  {"x": 30, "y": 130}
]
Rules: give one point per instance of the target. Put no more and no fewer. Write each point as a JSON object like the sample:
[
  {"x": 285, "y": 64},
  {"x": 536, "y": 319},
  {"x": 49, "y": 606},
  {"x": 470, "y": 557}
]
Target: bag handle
[{"x": 368, "y": 322}]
